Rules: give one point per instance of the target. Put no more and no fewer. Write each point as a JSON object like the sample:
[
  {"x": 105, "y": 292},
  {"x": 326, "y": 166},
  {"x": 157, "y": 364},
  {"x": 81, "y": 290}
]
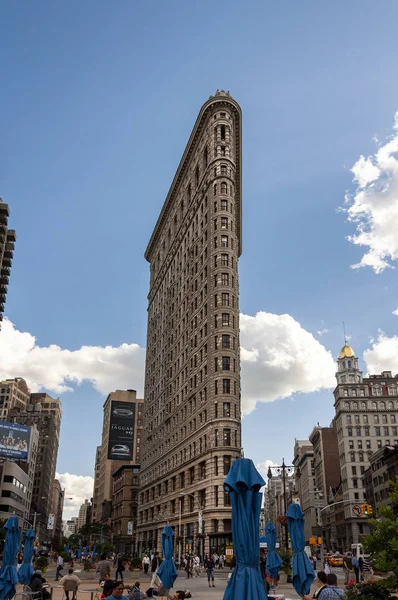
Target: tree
[{"x": 382, "y": 542}]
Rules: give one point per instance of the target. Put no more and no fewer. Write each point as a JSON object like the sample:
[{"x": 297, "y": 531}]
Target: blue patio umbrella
[
  {"x": 243, "y": 483},
  {"x": 274, "y": 561},
  {"x": 303, "y": 573},
  {"x": 8, "y": 572},
  {"x": 167, "y": 571},
  {"x": 26, "y": 569}
]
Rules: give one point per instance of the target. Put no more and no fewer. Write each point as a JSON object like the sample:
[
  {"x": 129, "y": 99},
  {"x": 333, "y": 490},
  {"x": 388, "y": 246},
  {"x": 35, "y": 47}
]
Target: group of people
[{"x": 327, "y": 588}]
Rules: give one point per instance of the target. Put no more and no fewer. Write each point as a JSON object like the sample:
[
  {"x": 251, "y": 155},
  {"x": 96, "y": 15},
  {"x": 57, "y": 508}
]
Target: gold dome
[{"x": 346, "y": 352}]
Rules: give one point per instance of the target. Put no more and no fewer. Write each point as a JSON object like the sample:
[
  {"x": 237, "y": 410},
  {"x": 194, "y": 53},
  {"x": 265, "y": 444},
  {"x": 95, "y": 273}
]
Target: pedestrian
[
  {"x": 146, "y": 561},
  {"x": 321, "y": 582},
  {"x": 188, "y": 567},
  {"x": 103, "y": 568},
  {"x": 119, "y": 567},
  {"x": 361, "y": 568},
  {"x": 60, "y": 566},
  {"x": 209, "y": 566},
  {"x": 332, "y": 591},
  {"x": 314, "y": 561},
  {"x": 155, "y": 564},
  {"x": 328, "y": 569},
  {"x": 117, "y": 591},
  {"x": 346, "y": 569},
  {"x": 196, "y": 565},
  {"x": 355, "y": 566},
  {"x": 70, "y": 583}
]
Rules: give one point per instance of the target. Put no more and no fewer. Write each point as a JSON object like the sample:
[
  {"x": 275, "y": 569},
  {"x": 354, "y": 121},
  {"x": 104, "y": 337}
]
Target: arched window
[
  {"x": 353, "y": 392},
  {"x": 382, "y": 405},
  {"x": 374, "y": 405},
  {"x": 355, "y": 406},
  {"x": 224, "y": 188},
  {"x": 360, "y": 456},
  {"x": 346, "y": 405},
  {"x": 391, "y": 405},
  {"x": 363, "y": 405},
  {"x": 349, "y": 364},
  {"x": 352, "y": 456}
]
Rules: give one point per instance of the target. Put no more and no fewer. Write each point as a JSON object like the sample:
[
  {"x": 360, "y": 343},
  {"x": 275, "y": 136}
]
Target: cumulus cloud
[
  {"x": 55, "y": 369},
  {"x": 280, "y": 358},
  {"x": 373, "y": 208},
  {"x": 262, "y": 468},
  {"x": 395, "y": 312},
  {"x": 78, "y": 488},
  {"x": 383, "y": 355}
]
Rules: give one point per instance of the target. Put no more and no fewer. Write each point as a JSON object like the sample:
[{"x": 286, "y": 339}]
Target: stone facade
[
  {"x": 310, "y": 497},
  {"x": 192, "y": 385},
  {"x": 126, "y": 483},
  {"x": 366, "y": 421}
]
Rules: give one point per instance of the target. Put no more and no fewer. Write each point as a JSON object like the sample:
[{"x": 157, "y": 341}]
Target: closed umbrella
[
  {"x": 274, "y": 561},
  {"x": 303, "y": 573},
  {"x": 243, "y": 483},
  {"x": 8, "y": 572},
  {"x": 167, "y": 571},
  {"x": 26, "y": 570}
]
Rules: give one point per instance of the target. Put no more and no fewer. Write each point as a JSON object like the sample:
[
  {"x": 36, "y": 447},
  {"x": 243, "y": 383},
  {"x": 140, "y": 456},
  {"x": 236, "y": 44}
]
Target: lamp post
[
  {"x": 282, "y": 469},
  {"x": 200, "y": 513}
]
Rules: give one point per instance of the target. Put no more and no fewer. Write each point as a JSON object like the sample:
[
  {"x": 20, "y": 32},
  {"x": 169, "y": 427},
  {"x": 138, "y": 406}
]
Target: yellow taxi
[{"x": 336, "y": 560}]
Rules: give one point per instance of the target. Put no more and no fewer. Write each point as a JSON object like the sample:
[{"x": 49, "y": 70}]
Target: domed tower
[{"x": 347, "y": 365}]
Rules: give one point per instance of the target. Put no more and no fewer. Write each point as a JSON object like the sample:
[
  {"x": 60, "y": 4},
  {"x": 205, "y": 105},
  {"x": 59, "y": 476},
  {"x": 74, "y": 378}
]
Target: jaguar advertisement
[
  {"x": 14, "y": 441},
  {"x": 121, "y": 431}
]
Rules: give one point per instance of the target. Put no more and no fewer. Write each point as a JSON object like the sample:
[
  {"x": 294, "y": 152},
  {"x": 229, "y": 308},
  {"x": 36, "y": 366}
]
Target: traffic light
[
  {"x": 319, "y": 541},
  {"x": 370, "y": 509},
  {"x": 366, "y": 509},
  {"x": 363, "y": 508}
]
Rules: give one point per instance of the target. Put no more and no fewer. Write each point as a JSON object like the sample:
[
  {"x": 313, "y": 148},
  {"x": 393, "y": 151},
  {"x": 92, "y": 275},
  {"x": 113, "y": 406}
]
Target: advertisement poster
[
  {"x": 121, "y": 431},
  {"x": 14, "y": 441}
]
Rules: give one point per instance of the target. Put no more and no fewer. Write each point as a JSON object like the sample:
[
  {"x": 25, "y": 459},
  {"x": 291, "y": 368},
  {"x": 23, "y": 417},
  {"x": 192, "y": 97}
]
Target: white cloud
[
  {"x": 383, "y": 355},
  {"x": 395, "y": 312},
  {"x": 77, "y": 487},
  {"x": 53, "y": 368},
  {"x": 374, "y": 205},
  {"x": 280, "y": 358},
  {"x": 262, "y": 468},
  {"x": 323, "y": 331}
]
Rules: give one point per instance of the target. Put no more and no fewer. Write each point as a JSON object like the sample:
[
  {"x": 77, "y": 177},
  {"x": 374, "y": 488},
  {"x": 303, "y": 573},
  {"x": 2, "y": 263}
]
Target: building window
[
  {"x": 376, "y": 419},
  {"x": 354, "y": 470},
  {"x": 367, "y": 430},
  {"x": 224, "y": 260},
  {"x": 224, "y": 223},
  {"x": 202, "y": 470},
  {"x": 226, "y": 386},
  {"x": 226, "y": 464},
  {"x": 355, "y": 483},
  {"x": 205, "y": 156},
  {"x": 360, "y": 444},
  {"x": 226, "y": 363},
  {"x": 351, "y": 444},
  {"x": 362, "y": 392},
  {"x": 225, "y": 299},
  {"x": 357, "y": 419},
  {"x": 368, "y": 444},
  {"x": 349, "y": 431},
  {"x": 224, "y": 204},
  {"x": 386, "y": 431},
  {"x": 358, "y": 431},
  {"x": 377, "y": 431},
  {"x": 345, "y": 392},
  {"x": 227, "y": 499},
  {"x": 384, "y": 419},
  {"x": 379, "y": 444},
  {"x": 226, "y": 341},
  {"x": 224, "y": 279},
  {"x": 393, "y": 419},
  {"x": 352, "y": 456},
  {"x": 224, "y": 188},
  {"x": 225, "y": 319},
  {"x": 348, "y": 419},
  {"x": 226, "y": 409},
  {"x": 224, "y": 170},
  {"x": 360, "y": 456},
  {"x": 226, "y": 437},
  {"x": 224, "y": 241},
  {"x": 365, "y": 418}
]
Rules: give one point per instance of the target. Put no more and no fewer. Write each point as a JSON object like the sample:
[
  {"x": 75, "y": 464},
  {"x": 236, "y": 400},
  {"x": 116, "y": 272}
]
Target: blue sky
[{"x": 98, "y": 100}]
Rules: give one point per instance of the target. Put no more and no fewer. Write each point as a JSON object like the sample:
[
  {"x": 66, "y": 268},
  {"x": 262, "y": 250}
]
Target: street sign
[
  {"x": 356, "y": 510},
  {"x": 51, "y": 520},
  {"x": 130, "y": 528}
]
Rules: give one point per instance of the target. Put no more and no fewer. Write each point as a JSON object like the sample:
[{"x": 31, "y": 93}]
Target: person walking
[
  {"x": 119, "y": 568},
  {"x": 346, "y": 569},
  {"x": 103, "y": 568},
  {"x": 188, "y": 566},
  {"x": 146, "y": 561},
  {"x": 355, "y": 566},
  {"x": 60, "y": 566},
  {"x": 196, "y": 565},
  {"x": 209, "y": 566},
  {"x": 155, "y": 564}
]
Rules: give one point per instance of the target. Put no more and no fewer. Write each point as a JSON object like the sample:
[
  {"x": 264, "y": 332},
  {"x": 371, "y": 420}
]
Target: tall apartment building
[
  {"x": 126, "y": 484},
  {"x": 57, "y": 507},
  {"x": 366, "y": 420},
  {"x": 308, "y": 493},
  {"x": 192, "y": 379},
  {"x": 327, "y": 476},
  {"x": 7, "y": 243},
  {"x": 45, "y": 413},
  {"x": 275, "y": 503},
  {"x": 123, "y": 416},
  {"x": 84, "y": 514},
  {"x": 14, "y": 393},
  {"x": 383, "y": 468}
]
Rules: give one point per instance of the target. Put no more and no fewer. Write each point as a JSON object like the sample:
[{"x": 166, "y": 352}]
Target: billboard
[
  {"x": 51, "y": 521},
  {"x": 14, "y": 441},
  {"x": 130, "y": 528},
  {"x": 121, "y": 431}
]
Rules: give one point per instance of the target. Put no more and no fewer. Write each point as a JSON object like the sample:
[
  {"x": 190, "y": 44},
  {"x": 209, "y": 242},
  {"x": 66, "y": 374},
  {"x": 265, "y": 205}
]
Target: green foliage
[
  {"x": 382, "y": 542},
  {"x": 41, "y": 563},
  {"x": 104, "y": 547},
  {"x": 65, "y": 556},
  {"x": 134, "y": 563},
  {"x": 88, "y": 565},
  {"x": 286, "y": 556},
  {"x": 368, "y": 591}
]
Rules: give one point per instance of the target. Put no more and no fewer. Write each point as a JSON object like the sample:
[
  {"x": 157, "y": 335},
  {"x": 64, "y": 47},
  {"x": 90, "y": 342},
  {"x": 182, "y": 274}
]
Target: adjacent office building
[
  {"x": 310, "y": 497},
  {"x": 366, "y": 421},
  {"x": 45, "y": 413},
  {"x": 192, "y": 380},
  {"x": 7, "y": 243},
  {"x": 126, "y": 483},
  {"x": 383, "y": 468},
  {"x": 121, "y": 445},
  {"x": 84, "y": 514},
  {"x": 57, "y": 507}
]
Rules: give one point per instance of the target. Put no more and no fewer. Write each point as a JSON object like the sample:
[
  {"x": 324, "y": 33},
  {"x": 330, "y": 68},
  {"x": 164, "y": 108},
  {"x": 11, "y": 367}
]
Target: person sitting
[
  {"x": 117, "y": 591},
  {"x": 70, "y": 583},
  {"x": 135, "y": 592},
  {"x": 107, "y": 588},
  {"x": 36, "y": 585}
]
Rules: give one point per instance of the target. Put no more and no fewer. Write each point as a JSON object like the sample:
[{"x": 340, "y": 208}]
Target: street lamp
[
  {"x": 282, "y": 469},
  {"x": 200, "y": 516}
]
